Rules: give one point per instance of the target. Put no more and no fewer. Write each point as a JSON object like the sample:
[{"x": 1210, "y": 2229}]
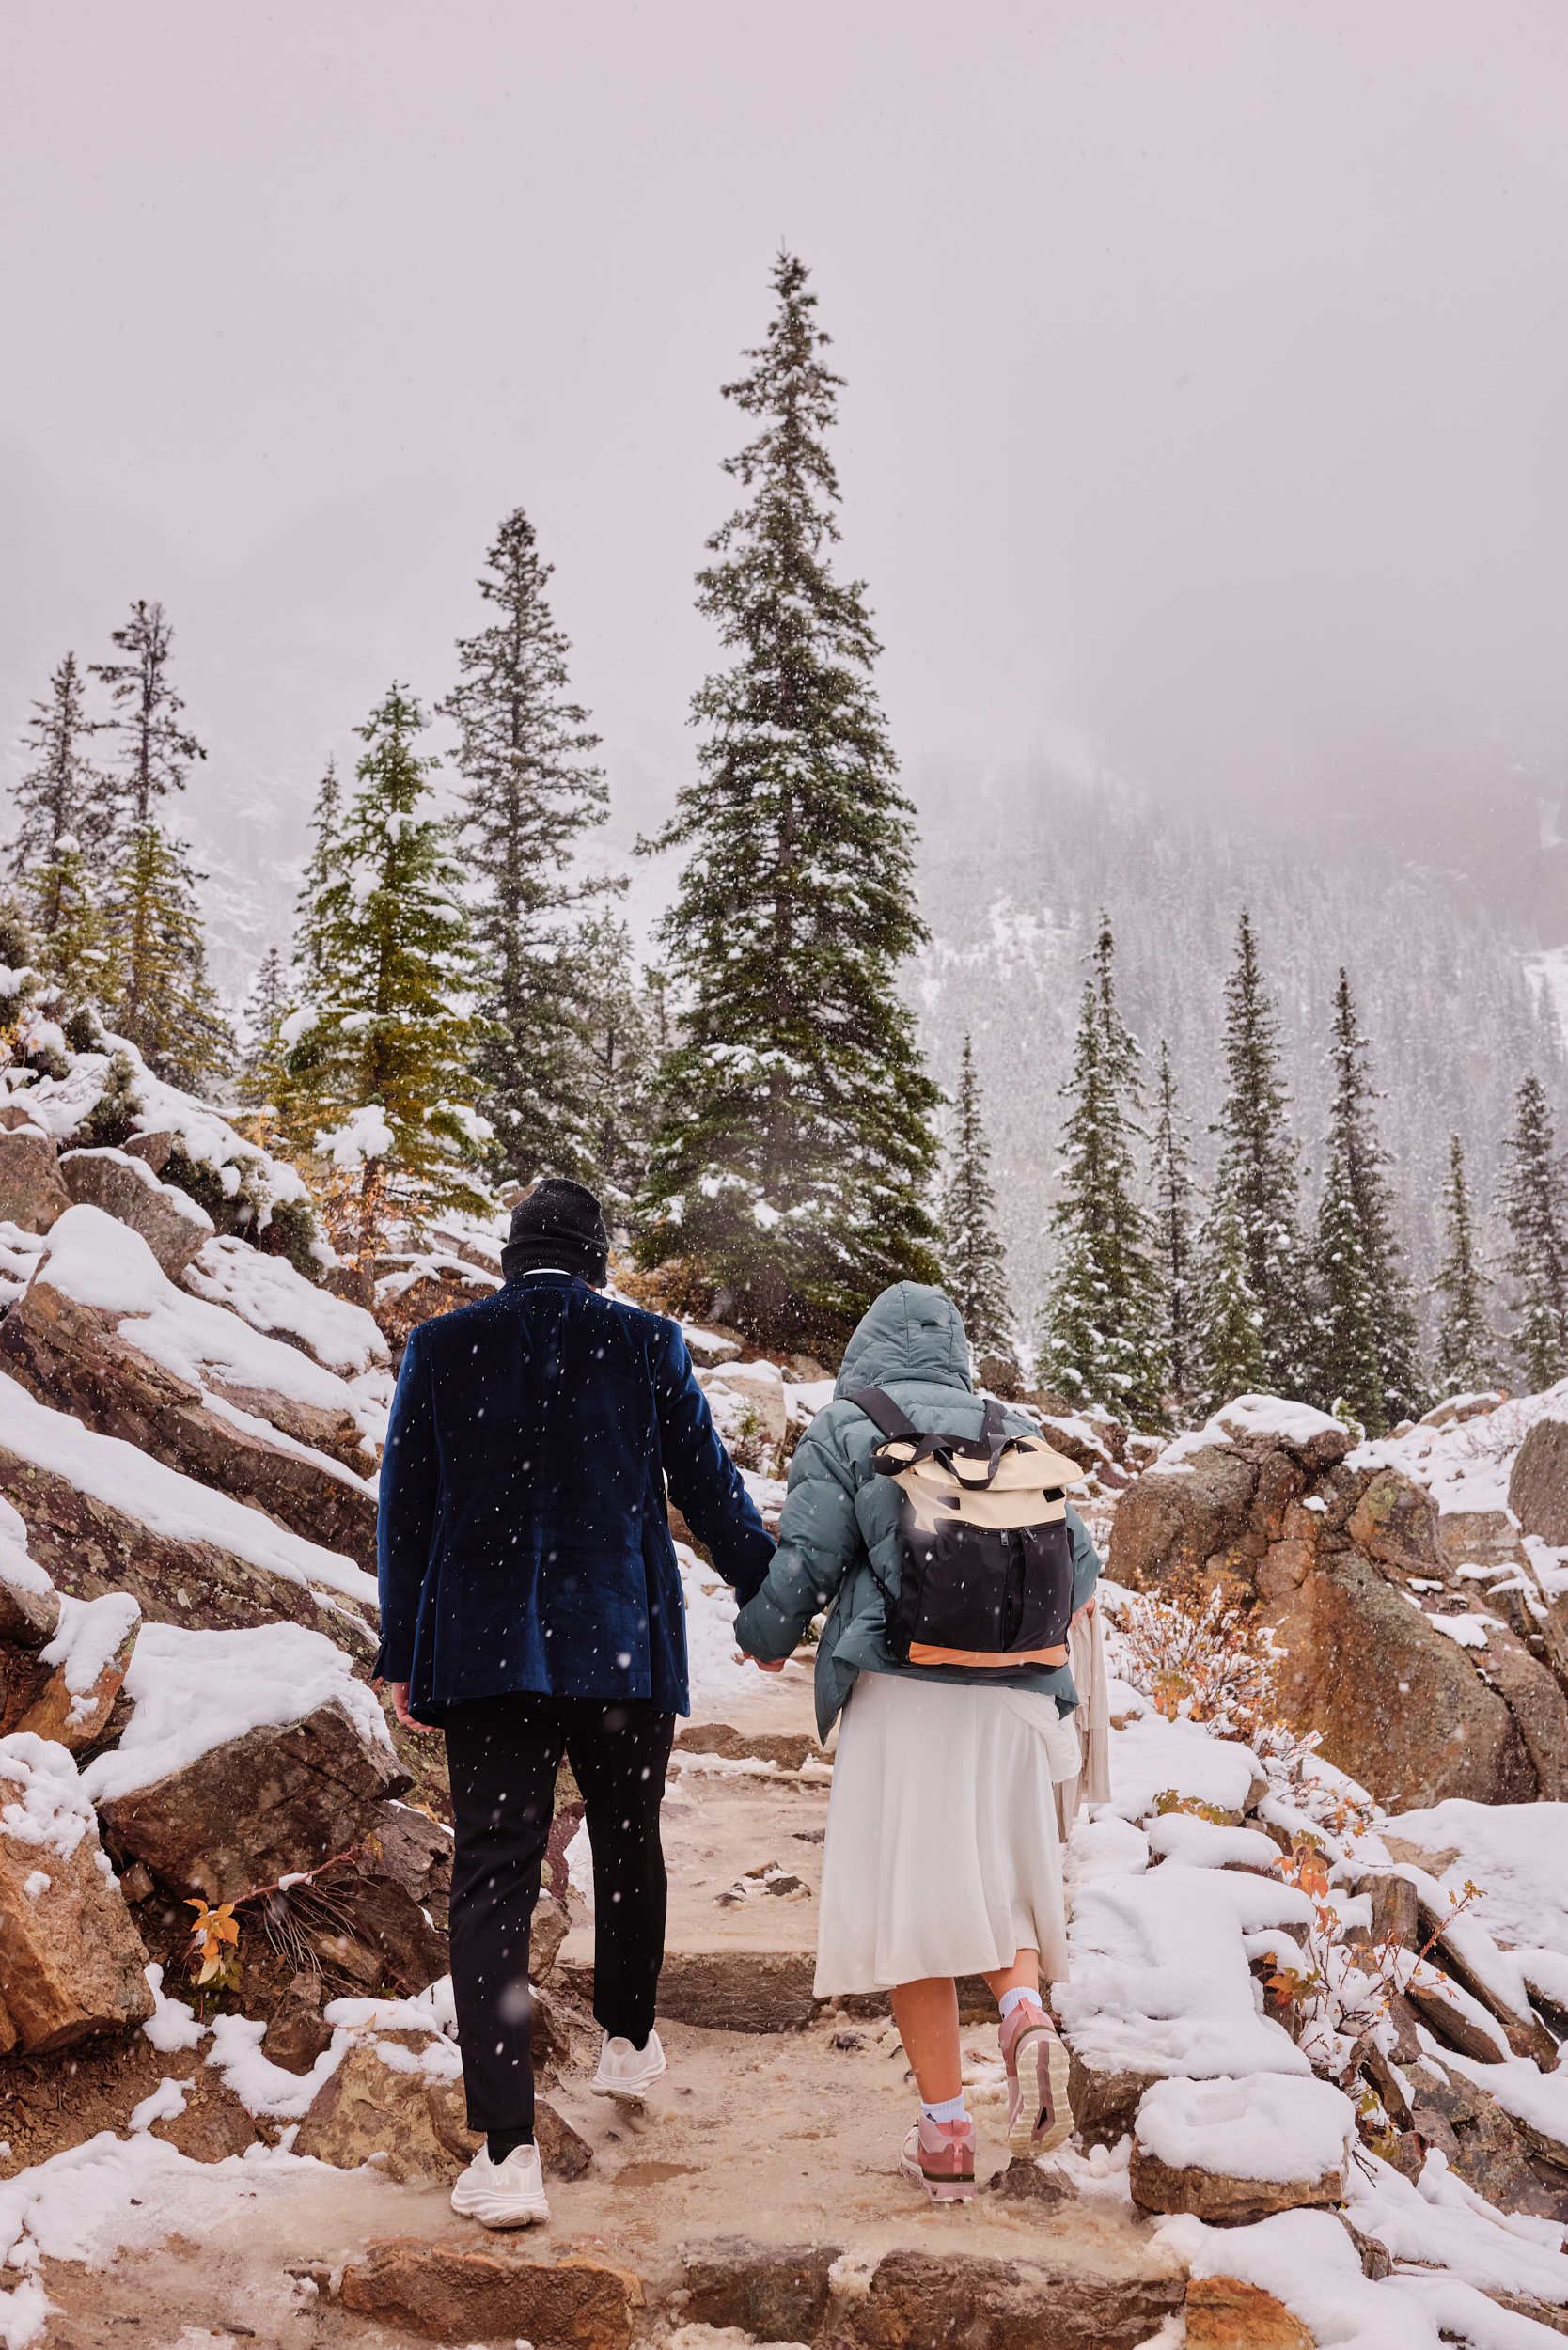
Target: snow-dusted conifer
[
  {"x": 1102, "y": 1341},
  {"x": 77, "y": 950},
  {"x": 320, "y": 866},
  {"x": 378, "y": 1064},
  {"x": 530, "y": 791},
  {"x": 1360, "y": 1287},
  {"x": 795, "y": 1148},
  {"x": 1466, "y": 1343},
  {"x": 61, "y": 793},
  {"x": 1256, "y": 1178},
  {"x": 974, "y": 1261},
  {"x": 1533, "y": 1205},
  {"x": 155, "y": 751},
  {"x": 1229, "y": 1326},
  {"x": 617, "y": 1025},
  {"x": 1172, "y": 1233},
  {"x": 165, "y": 1002},
  {"x": 265, "y": 1010}
]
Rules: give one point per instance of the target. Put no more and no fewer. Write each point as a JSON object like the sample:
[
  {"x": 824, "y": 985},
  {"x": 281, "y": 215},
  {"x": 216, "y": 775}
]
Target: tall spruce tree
[
  {"x": 1255, "y": 1182},
  {"x": 1466, "y": 1344},
  {"x": 1534, "y": 1207},
  {"x": 795, "y": 1147},
  {"x": 154, "y": 752},
  {"x": 320, "y": 866},
  {"x": 61, "y": 793},
  {"x": 78, "y": 952},
  {"x": 165, "y": 1004},
  {"x": 1362, "y": 1299},
  {"x": 530, "y": 791},
  {"x": 616, "y": 1022},
  {"x": 378, "y": 1065},
  {"x": 974, "y": 1261},
  {"x": 1230, "y": 1321},
  {"x": 264, "y": 1012},
  {"x": 1102, "y": 1342},
  {"x": 1172, "y": 1235}
]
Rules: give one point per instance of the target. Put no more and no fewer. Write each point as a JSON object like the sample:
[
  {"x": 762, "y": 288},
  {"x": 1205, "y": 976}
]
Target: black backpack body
[{"x": 985, "y": 1555}]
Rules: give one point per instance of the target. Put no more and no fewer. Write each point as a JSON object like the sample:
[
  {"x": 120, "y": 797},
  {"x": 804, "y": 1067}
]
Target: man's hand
[{"x": 400, "y": 1706}]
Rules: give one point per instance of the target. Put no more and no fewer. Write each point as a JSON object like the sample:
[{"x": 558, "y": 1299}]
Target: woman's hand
[
  {"x": 399, "y": 1690},
  {"x": 763, "y": 1666},
  {"x": 1088, "y": 1607}
]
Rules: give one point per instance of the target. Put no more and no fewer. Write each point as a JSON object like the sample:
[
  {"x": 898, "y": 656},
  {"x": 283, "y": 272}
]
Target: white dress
[{"x": 942, "y": 1856}]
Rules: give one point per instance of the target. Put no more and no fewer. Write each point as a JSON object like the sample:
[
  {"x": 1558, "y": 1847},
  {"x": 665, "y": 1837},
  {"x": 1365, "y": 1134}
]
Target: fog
[{"x": 1206, "y": 381}]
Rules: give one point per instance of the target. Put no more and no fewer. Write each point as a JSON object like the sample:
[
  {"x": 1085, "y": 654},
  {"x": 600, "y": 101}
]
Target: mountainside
[{"x": 1012, "y": 877}]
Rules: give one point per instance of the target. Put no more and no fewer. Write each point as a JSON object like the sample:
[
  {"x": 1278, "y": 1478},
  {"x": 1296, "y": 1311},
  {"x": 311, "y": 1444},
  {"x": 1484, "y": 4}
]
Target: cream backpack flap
[{"x": 985, "y": 1555}]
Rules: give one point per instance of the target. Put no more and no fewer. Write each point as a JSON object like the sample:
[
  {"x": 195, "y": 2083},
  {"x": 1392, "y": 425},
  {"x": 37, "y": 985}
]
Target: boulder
[
  {"x": 1399, "y": 1704},
  {"x": 1105, "y": 2098},
  {"x": 297, "y": 2034},
  {"x": 415, "y": 1849},
  {"x": 759, "y": 1385},
  {"x": 32, "y": 1194},
  {"x": 89, "y": 1657},
  {"x": 76, "y": 1358},
  {"x": 213, "y": 2123},
  {"x": 71, "y": 1963},
  {"x": 1538, "y": 1487},
  {"x": 449, "y": 2293},
  {"x": 169, "y": 1220},
  {"x": 389, "y": 1926},
  {"x": 924, "y": 2300},
  {"x": 1478, "y": 1537},
  {"x": 1488, "y": 2151},
  {"x": 1396, "y": 1522},
  {"x": 1235, "y": 2150},
  {"x": 1169, "y": 1520},
  {"x": 262, "y": 1806},
  {"x": 370, "y": 2107},
  {"x": 1223, "y": 2314},
  {"x": 773, "y": 2292}
]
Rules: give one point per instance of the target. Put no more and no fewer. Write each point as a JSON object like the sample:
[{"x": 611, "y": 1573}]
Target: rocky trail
[{"x": 1319, "y": 1920}]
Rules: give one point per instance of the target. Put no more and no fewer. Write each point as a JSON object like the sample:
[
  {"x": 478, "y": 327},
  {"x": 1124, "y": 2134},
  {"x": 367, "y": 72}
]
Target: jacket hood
[{"x": 910, "y": 1333}]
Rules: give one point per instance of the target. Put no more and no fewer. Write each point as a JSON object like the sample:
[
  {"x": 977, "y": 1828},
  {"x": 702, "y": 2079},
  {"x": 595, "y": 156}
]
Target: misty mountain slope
[{"x": 1012, "y": 877}]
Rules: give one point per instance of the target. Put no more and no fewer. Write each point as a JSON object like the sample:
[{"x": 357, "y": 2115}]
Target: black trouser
[{"x": 503, "y": 1754}]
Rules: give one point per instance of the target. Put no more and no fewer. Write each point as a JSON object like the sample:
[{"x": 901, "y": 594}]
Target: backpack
[{"x": 985, "y": 1555}]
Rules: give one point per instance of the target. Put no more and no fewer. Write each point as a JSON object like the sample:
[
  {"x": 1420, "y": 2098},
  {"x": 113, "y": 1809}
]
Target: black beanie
[{"x": 558, "y": 1224}]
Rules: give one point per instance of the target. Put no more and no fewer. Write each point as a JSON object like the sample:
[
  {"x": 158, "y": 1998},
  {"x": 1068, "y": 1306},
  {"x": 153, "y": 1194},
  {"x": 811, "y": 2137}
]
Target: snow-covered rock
[
  {"x": 32, "y": 1194},
  {"x": 71, "y": 1963},
  {"x": 1235, "y": 2150},
  {"x": 168, "y": 1219}
]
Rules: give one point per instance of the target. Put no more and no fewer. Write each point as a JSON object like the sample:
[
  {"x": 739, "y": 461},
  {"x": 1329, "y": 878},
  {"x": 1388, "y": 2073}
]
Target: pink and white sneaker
[
  {"x": 1038, "y": 2114},
  {"x": 940, "y": 2156}
]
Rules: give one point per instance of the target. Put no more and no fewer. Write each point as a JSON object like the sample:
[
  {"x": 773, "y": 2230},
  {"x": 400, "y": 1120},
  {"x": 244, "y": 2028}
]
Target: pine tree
[
  {"x": 77, "y": 950},
  {"x": 795, "y": 1148},
  {"x": 1172, "y": 1233},
  {"x": 531, "y": 792},
  {"x": 974, "y": 1261},
  {"x": 61, "y": 793},
  {"x": 155, "y": 750},
  {"x": 1256, "y": 1177},
  {"x": 1531, "y": 1197},
  {"x": 379, "y": 1063},
  {"x": 1466, "y": 1346},
  {"x": 1229, "y": 1325},
  {"x": 326, "y": 820},
  {"x": 1102, "y": 1312},
  {"x": 264, "y": 1013},
  {"x": 165, "y": 1003},
  {"x": 616, "y": 1023},
  {"x": 1359, "y": 1286}
]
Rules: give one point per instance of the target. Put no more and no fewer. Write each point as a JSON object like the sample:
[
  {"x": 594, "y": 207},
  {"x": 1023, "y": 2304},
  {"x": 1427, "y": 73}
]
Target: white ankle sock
[
  {"x": 1010, "y": 1999},
  {"x": 951, "y": 2110}
]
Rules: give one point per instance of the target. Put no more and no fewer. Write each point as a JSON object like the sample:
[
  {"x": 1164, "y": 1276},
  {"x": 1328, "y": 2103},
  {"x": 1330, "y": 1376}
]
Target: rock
[
  {"x": 87, "y": 1547},
  {"x": 263, "y": 1806},
  {"x": 296, "y": 2035},
  {"x": 170, "y": 1222},
  {"x": 29, "y": 1616},
  {"x": 1025, "y": 2182},
  {"x": 214, "y": 2123},
  {"x": 1554, "y": 2319},
  {"x": 448, "y": 2294},
  {"x": 774, "y": 2291},
  {"x": 1223, "y": 2314},
  {"x": 727, "y": 1990},
  {"x": 415, "y": 1849},
  {"x": 1535, "y": 1699},
  {"x": 548, "y": 1930},
  {"x": 1373, "y": 2254},
  {"x": 78, "y": 1358},
  {"x": 760, "y": 1386},
  {"x": 562, "y": 2151},
  {"x": 928, "y": 2301},
  {"x": 1526, "y": 2035},
  {"x": 1394, "y": 1913},
  {"x": 76, "y": 1718},
  {"x": 155, "y": 1150},
  {"x": 1399, "y": 1704},
  {"x": 406, "y": 1950},
  {"x": 1396, "y": 1522},
  {"x": 1104, "y": 2101},
  {"x": 1449, "y": 2015},
  {"x": 1538, "y": 1487},
  {"x": 1188, "y": 2140},
  {"x": 1166, "y": 1523},
  {"x": 369, "y": 2106},
  {"x": 71, "y": 1963},
  {"x": 1482, "y": 2145},
  {"x": 1222, "y": 2200},
  {"x": 1478, "y": 1537},
  {"x": 789, "y": 1750},
  {"x": 32, "y": 1195}
]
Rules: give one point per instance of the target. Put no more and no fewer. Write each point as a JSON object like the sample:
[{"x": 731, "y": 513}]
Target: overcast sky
[{"x": 1206, "y": 367}]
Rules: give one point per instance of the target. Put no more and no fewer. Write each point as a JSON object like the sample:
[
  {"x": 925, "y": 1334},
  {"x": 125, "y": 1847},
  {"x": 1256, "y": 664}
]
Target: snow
[
  {"x": 17, "y": 1570},
  {"x": 714, "y": 1669},
  {"x": 171, "y": 1505},
  {"x": 1248, "y": 1419},
  {"x": 364, "y": 1135},
  {"x": 172, "y": 2024},
  {"x": 1517, "y": 1853},
  {"x": 98, "y": 1261},
  {"x": 1538, "y": 2099},
  {"x": 52, "y": 1810},
  {"x": 1267, "y": 2126},
  {"x": 180, "y": 1201},
  {"x": 19, "y": 1254},
  {"x": 707, "y": 1341},
  {"x": 1468, "y": 1631},
  {"x": 89, "y": 1638},
  {"x": 1151, "y": 1755},
  {"x": 1179, "y": 1835},
  {"x": 1441, "y": 2220},
  {"x": 1466, "y": 1465},
  {"x": 166, "y": 2103},
  {"x": 196, "y": 1690},
  {"x": 270, "y": 1294}
]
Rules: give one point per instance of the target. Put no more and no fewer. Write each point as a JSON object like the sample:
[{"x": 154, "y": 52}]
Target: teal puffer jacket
[{"x": 840, "y": 1517}]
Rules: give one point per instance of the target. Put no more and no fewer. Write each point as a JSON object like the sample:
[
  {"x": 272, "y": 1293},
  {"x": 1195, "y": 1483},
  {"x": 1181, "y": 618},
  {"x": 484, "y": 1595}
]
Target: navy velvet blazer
[{"x": 523, "y": 1543}]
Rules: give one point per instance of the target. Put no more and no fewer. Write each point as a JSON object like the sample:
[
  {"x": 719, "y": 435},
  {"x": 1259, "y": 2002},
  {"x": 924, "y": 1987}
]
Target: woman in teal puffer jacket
[{"x": 942, "y": 1856}]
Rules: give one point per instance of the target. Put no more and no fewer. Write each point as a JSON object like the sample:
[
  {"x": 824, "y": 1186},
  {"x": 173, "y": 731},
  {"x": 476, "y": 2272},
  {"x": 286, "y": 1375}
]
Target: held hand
[
  {"x": 775, "y": 1666},
  {"x": 400, "y": 1706},
  {"x": 1088, "y": 1607}
]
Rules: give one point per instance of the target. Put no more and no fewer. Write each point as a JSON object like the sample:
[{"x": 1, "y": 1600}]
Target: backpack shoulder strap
[{"x": 881, "y": 1410}]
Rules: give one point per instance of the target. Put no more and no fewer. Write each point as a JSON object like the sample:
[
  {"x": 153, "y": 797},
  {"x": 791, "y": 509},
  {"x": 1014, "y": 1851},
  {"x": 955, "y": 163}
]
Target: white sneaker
[
  {"x": 508, "y": 2194},
  {"x": 626, "y": 2072}
]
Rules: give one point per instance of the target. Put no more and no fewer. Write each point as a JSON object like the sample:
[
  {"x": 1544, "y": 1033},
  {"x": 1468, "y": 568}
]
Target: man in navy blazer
[{"x": 532, "y": 1609}]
